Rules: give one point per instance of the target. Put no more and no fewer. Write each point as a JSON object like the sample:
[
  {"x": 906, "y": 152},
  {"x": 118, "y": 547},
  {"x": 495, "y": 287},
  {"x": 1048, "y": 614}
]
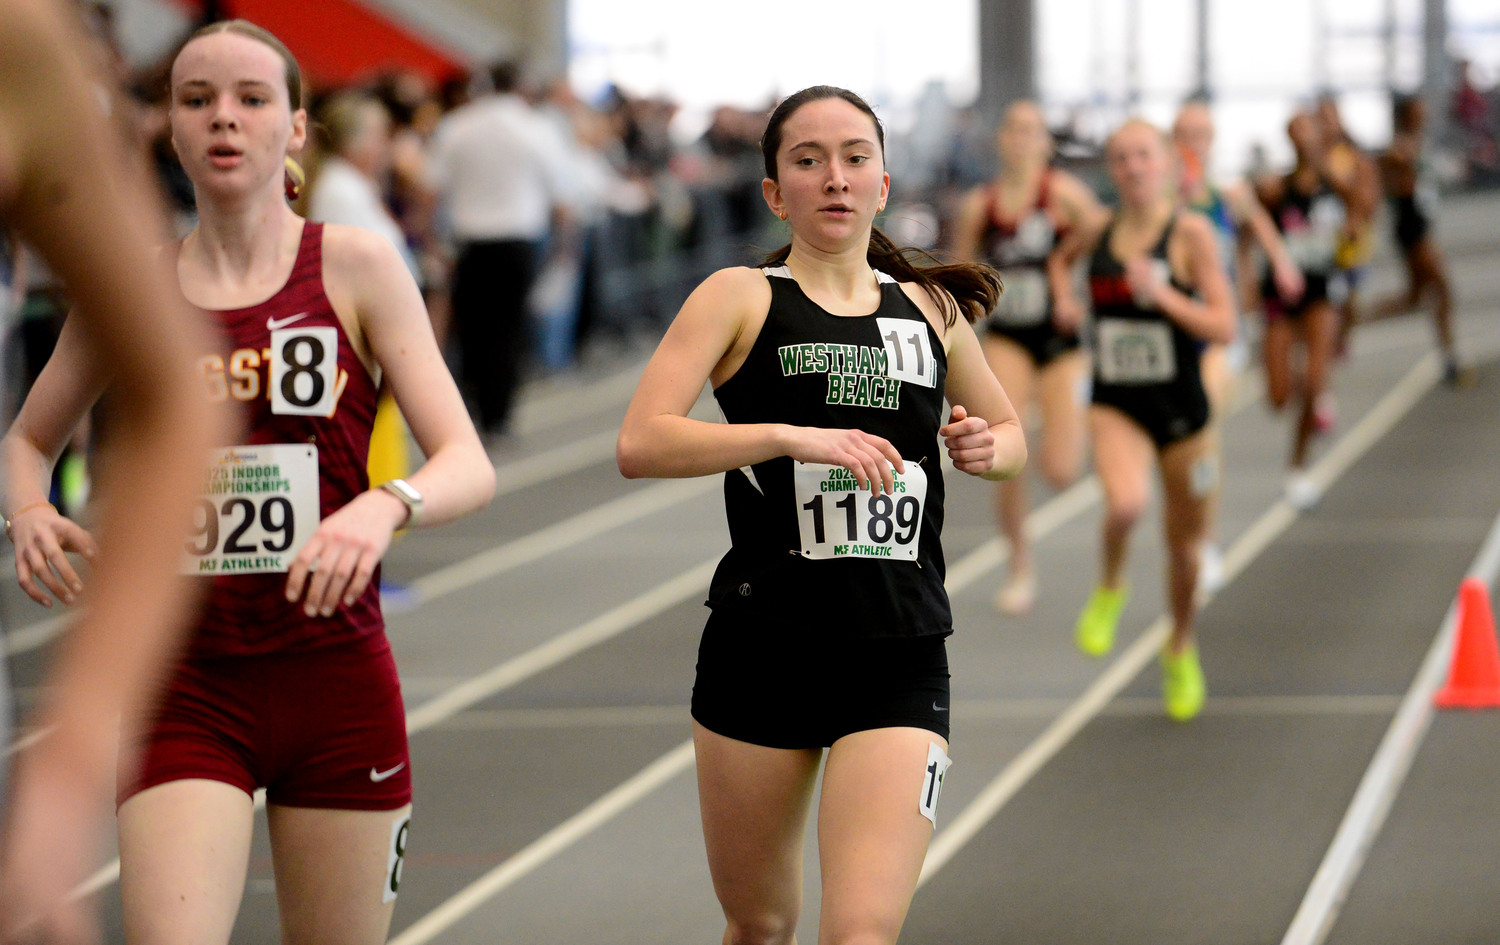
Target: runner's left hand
[
  {"x": 341, "y": 556},
  {"x": 970, "y": 442}
]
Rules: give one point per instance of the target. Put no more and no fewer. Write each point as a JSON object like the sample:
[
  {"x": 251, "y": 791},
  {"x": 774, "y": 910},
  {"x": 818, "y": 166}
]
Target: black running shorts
[{"x": 772, "y": 685}]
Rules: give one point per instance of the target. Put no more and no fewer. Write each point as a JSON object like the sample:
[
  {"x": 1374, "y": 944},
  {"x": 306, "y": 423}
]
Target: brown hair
[
  {"x": 967, "y": 289},
  {"x": 260, "y": 34}
]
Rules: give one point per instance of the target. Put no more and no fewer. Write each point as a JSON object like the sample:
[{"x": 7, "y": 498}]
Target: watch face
[
  {"x": 403, "y": 491},
  {"x": 409, "y": 497}
]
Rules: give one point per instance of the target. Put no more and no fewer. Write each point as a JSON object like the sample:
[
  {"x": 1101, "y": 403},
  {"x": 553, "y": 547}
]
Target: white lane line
[
  {"x": 1043, "y": 521},
  {"x": 668, "y": 594},
  {"x": 1382, "y": 781},
  {"x": 549, "y": 845},
  {"x": 34, "y": 635},
  {"x": 555, "y": 409},
  {"x": 1238, "y": 706},
  {"x": 995, "y": 795},
  {"x": 665, "y": 595},
  {"x": 623, "y": 716},
  {"x": 556, "y": 537},
  {"x": 570, "y": 457},
  {"x": 486, "y": 564}
]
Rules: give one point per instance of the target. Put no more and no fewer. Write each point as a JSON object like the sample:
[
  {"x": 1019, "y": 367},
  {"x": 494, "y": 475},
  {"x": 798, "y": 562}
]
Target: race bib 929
[{"x": 259, "y": 506}]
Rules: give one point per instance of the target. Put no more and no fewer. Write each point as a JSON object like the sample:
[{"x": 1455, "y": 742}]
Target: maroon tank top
[{"x": 288, "y": 366}]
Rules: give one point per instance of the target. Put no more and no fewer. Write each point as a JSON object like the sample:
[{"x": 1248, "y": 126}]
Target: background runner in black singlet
[
  {"x": 1310, "y": 209},
  {"x": 1158, "y": 289}
]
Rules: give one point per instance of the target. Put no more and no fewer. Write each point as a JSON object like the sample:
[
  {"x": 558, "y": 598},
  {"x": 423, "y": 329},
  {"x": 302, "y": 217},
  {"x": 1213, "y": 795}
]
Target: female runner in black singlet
[
  {"x": 1311, "y": 209},
  {"x": 1016, "y": 223},
  {"x": 1158, "y": 291},
  {"x": 288, "y": 682},
  {"x": 829, "y": 614},
  {"x": 1413, "y": 200}
]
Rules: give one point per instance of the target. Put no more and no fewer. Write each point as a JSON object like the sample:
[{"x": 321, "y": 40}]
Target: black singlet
[
  {"x": 1018, "y": 249},
  {"x": 842, "y": 562},
  {"x": 1311, "y": 224},
  {"x": 1145, "y": 364}
]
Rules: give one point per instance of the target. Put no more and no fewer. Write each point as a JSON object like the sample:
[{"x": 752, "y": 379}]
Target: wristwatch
[{"x": 409, "y": 497}]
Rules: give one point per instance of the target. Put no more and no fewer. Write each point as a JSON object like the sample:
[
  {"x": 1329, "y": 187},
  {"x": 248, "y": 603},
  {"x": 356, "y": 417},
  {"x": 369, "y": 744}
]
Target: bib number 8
[{"x": 304, "y": 371}]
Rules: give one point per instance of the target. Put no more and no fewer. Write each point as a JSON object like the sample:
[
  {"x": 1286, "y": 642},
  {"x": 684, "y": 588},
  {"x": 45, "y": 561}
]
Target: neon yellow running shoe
[
  {"x": 1182, "y": 687},
  {"x": 73, "y": 483},
  {"x": 1096, "y": 625}
]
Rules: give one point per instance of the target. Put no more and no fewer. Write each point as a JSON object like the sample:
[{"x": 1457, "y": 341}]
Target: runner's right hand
[
  {"x": 42, "y": 537},
  {"x": 868, "y": 458}
]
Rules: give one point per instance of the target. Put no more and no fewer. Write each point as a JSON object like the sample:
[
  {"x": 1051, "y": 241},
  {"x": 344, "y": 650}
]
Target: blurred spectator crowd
[{"x": 627, "y": 212}]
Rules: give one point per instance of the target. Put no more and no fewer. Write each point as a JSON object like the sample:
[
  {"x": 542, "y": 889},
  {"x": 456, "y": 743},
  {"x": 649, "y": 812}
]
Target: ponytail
[{"x": 967, "y": 289}]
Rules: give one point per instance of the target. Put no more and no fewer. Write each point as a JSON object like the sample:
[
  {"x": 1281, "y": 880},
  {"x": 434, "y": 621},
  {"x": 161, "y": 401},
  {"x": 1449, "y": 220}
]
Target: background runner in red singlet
[
  {"x": 1016, "y": 223},
  {"x": 288, "y": 683}
]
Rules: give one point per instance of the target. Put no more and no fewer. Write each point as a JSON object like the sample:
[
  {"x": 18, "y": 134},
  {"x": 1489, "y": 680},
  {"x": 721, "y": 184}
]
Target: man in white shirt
[{"x": 500, "y": 176}]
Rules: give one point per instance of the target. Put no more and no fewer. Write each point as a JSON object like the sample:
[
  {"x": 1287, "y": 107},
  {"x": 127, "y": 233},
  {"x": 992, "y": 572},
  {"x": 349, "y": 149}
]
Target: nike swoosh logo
[
  {"x": 938, "y": 708},
  {"x": 378, "y": 776},
  {"x": 274, "y": 323}
]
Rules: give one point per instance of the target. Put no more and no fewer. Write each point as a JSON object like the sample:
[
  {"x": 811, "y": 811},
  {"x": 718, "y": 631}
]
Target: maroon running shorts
[{"x": 319, "y": 728}]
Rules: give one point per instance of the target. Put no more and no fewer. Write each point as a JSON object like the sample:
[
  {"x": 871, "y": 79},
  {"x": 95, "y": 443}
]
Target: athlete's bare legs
[
  {"x": 333, "y": 876},
  {"x": 754, "y": 802},
  {"x": 872, "y": 836},
  {"x": 184, "y": 852}
]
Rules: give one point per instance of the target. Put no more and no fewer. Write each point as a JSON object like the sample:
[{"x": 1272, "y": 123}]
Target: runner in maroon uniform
[
  {"x": 289, "y": 682},
  {"x": 1017, "y": 223}
]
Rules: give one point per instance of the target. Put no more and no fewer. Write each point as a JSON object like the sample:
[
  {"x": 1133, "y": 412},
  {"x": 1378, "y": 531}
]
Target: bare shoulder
[
  {"x": 1068, "y": 186},
  {"x": 1192, "y": 229},
  {"x": 737, "y": 289},
  {"x": 354, "y": 257},
  {"x": 356, "y": 246},
  {"x": 975, "y": 200},
  {"x": 1269, "y": 188},
  {"x": 932, "y": 302}
]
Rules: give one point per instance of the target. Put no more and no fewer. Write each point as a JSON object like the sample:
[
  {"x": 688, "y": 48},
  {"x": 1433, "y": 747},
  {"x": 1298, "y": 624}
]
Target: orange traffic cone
[{"x": 1474, "y": 677}]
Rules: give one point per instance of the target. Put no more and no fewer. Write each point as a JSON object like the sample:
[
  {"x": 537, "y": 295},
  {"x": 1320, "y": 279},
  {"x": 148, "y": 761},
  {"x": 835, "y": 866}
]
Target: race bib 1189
[{"x": 837, "y": 519}]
